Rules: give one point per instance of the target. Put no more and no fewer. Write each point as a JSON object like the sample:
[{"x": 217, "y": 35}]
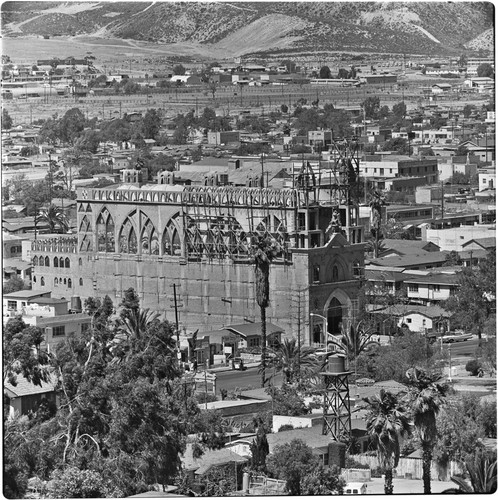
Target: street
[
  {"x": 247, "y": 379},
  {"x": 462, "y": 349}
]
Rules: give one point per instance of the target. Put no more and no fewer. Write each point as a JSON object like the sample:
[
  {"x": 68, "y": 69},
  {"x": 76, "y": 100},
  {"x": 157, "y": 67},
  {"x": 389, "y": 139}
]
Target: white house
[
  {"x": 454, "y": 238},
  {"x": 487, "y": 178}
]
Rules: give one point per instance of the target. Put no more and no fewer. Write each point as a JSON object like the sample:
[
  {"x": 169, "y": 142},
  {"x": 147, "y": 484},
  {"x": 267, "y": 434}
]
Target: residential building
[
  {"x": 390, "y": 166},
  {"x": 454, "y": 238},
  {"x": 487, "y": 178}
]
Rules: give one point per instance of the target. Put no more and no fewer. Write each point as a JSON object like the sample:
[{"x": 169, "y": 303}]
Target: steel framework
[{"x": 336, "y": 406}]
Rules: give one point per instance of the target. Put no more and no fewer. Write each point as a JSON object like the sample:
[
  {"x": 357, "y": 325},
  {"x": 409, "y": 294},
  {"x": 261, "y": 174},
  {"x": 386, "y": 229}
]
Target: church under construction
[{"x": 187, "y": 248}]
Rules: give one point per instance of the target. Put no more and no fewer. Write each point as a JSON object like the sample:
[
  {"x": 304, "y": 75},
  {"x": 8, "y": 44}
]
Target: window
[
  {"x": 35, "y": 261},
  {"x": 69, "y": 283},
  {"x": 56, "y": 262},
  {"x": 67, "y": 263},
  {"x": 316, "y": 273},
  {"x": 408, "y": 320},
  {"x": 47, "y": 262},
  {"x": 81, "y": 281},
  {"x": 413, "y": 287},
  {"x": 12, "y": 305},
  {"x": 56, "y": 282},
  {"x": 59, "y": 331},
  {"x": 80, "y": 261},
  {"x": 42, "y": 281},
  {"x": 61, "y": 262},
  {"x": 65, "y": 281},
  {"x": 255, "y": 342}
]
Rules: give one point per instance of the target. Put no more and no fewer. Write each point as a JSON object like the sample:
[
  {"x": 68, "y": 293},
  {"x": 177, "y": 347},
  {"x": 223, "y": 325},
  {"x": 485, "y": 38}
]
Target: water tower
[{"x": 336, "y": 404}]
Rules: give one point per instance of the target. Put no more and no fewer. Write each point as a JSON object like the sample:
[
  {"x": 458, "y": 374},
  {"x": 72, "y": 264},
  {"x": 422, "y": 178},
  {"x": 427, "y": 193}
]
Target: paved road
[
  {"x": 462, "y": 349},
  {"x": 248, "y": 379}
]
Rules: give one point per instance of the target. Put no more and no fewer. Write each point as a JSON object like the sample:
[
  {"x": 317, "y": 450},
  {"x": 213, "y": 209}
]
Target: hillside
[{"x": 435, "y": 28}]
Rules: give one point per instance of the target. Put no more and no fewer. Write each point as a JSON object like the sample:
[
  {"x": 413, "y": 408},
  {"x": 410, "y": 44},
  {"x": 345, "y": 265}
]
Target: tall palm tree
[
  {"x": 426, "y": 394},
  {"x": 387, "y": 421},
  {"x": 355, "y": 339},
  {"x": 377, "y": 201},
  {"x": 54, "y": 217},
  {"x": 293, "y": 360},
  {"x": 264, "y": 250}
]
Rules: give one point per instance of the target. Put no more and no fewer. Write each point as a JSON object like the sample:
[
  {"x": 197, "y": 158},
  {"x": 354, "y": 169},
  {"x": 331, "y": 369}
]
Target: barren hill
[{"x": 237, "y": 28}]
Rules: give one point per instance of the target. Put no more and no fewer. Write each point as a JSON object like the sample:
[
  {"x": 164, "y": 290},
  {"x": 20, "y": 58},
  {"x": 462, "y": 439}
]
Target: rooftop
[{"x": 25, "y": 294}]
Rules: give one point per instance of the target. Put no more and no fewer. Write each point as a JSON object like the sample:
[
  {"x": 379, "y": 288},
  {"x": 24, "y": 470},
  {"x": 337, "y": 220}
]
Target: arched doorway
[{"x": 334, "y": 316}]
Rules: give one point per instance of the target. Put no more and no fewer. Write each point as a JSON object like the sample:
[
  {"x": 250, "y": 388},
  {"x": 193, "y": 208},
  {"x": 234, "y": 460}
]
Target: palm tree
[
  {"x": 377, "y": 201},
  {"x": 293, "y": 360},
  {"x": 136, "y": 324},
  {"x": 482, "y": 473},
  {"x": 54, "y": 217},
  {"x": 355, "y": 339},
  {"x": 264, "y": 250},
  {"x": 426, "y": 394},
  {"x": 387, "y": 421}
]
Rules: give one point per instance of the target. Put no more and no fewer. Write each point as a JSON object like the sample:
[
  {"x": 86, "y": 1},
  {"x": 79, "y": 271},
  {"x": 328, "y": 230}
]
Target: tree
[
  {"x": 377, "y": 201},
  {"x": 13, "y": 284},
  {"x": 286, "y": 401},
  {"x": 264, "y": 250},
  {"x": 399, "y": 110},
  {"x": 295, "y": 463},
  {"x": 461, "y": 151},
  {"x": 292, "y": 360},
  {"x": 284, "y": 108},
  {"x": 462, "y": 425},
  {"x": 371, "y": 105},
  {"x": 343, "y": 74},
  {"x": 399, "y": 145},
  {"x": 151, "y": 124},
  {"x": 72, "y": 482},
  {"x": 178, "y": 69},
  {"x": 259, "y": 450},
  {"x": 291, "y": 462},
  {"x": 452, "y": 259},
  {"x": 289, "y": 65},
  {"x": 22, "y": 353},
  {"x": 71, "y": 125},
  {"x": 475, "y": 298},
  {"x": 485, "y": 70},
  {"x": 387, "y": 422},
  {"x": 355, "y": 340},
  {"x": 323, "y": 480},
  {"x": 426, "y": 394},
  {"x": 54, "y": 217},
  {"x": 6, "y": 120},
  {"x": 325, "y": 72}
]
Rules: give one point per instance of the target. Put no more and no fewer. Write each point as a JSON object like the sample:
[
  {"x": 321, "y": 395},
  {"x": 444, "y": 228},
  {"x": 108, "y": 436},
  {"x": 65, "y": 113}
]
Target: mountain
[{"x": 266, "y": 28}]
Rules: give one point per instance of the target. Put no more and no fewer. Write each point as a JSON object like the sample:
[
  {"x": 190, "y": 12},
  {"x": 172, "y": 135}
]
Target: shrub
[
  {"x": 473, "y": 366},
  {"x": 286, "y": 427},
  {"x": 351, "y": 463},
  {"x": 377, "y": 472}
]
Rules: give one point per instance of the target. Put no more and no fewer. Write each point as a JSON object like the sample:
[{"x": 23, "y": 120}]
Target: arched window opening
[
  {"x": 47, "y": 262},
  {"x": 56, "y": 282},
  {"x": 69, "y": 283},
  {"x": 81, "y": 281},
  {"x": 105, "y": 232},
  {"x": 61, "y": 262},
  {"x": 56, "y": 262},
  {"x": 35, "y": 260},
  {"x": 67, "y": 263},
  {"x": 42, "y": 281}
]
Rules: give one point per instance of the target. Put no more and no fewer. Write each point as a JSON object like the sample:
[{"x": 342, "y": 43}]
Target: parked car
[
  {"x": 456, "y": 337},
  {"x": 238, "y": 364}
]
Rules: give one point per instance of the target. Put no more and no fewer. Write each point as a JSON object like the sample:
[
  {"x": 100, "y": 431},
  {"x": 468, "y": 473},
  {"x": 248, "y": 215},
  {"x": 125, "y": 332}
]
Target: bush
[
  {"x": 351, "y": 463},
  {"x": 377, "y": 472},
  {"x": 473, "y": 366},
  {"x": 286, "y": 427}
]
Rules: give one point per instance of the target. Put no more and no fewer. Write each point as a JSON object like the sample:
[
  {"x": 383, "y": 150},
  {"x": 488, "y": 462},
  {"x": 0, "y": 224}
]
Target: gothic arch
[
  {"x": 105, "y": 232},
  {"x": 171, "y": 240}
]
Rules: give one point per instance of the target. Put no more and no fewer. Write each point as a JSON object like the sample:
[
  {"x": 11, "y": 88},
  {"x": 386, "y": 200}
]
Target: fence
[
  {"x": 411, "y": 468},
  {"x": 261, "y": 485}
]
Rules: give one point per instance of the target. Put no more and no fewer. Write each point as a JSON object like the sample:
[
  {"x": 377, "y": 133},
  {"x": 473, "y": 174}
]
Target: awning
[{"x": 252, "y": 329}]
